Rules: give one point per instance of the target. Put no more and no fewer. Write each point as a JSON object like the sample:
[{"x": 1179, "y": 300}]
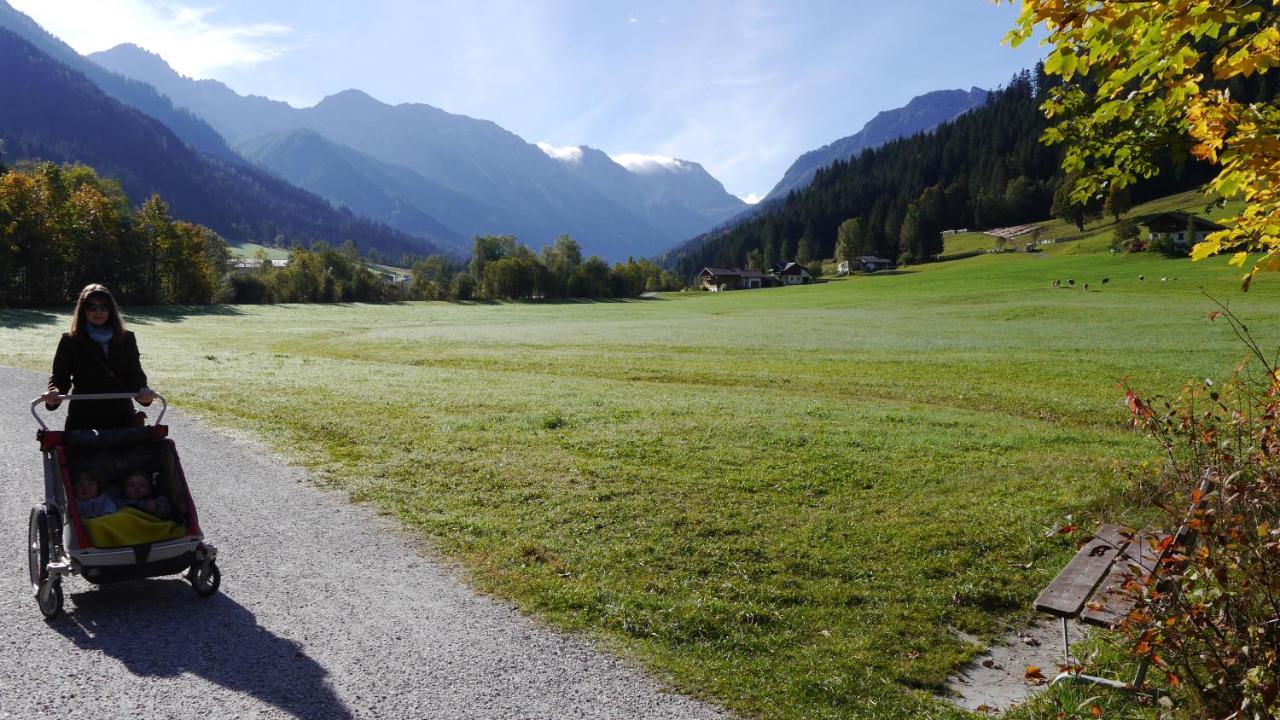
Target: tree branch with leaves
[{"x": 1144, "y": 79}]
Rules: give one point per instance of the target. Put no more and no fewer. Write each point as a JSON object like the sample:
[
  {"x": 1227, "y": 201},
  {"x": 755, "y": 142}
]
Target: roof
[
  {"x": 1009, "y": 232},
  {"x": 1177, "y": 220},
  {"x": 873, "y": 259},
  {"x": 731, "y": 272},
  {"x": 791, "y": 268}
]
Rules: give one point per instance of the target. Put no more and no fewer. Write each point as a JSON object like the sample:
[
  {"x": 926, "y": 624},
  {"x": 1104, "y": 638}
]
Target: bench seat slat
[
  {"x": 1066, "y": 595},
  {"x": 1111, "y": 603}
]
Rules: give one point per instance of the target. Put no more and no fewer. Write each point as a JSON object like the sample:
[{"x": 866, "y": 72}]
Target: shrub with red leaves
[{"x": 1210, "y": 620}]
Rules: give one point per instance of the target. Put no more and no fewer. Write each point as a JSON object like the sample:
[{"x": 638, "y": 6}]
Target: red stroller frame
[{"x": 57, "y": 543}]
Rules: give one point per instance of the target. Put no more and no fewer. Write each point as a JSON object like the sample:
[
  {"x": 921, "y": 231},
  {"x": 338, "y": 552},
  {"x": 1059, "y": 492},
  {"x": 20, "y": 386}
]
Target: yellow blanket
[{"x": 130, "y": 526}]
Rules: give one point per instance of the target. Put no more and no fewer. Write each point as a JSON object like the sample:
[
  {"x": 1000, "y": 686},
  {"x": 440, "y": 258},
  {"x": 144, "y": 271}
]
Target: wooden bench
[{"x": 1091, "y": 588}]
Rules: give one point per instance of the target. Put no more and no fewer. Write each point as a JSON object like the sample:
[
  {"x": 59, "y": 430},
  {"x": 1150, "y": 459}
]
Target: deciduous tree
[{"x": 1142, "y": 79}]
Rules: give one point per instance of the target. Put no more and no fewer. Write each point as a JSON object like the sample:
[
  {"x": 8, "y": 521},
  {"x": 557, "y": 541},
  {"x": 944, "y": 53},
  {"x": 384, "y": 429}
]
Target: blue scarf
[{"x": 101, "y": 335}]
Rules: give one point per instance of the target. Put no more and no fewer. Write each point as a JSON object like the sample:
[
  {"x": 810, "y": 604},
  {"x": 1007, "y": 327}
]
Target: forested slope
[
  {"x": 51, "y": 112},
  {"x": 987, "y": 168}
]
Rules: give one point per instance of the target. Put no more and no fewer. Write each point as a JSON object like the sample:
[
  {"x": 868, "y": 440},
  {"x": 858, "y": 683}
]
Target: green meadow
[{"x": 787, "y": 500}]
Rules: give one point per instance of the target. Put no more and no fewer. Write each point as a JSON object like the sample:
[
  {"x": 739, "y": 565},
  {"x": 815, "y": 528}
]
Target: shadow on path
[{"x": 160, "y": 628}]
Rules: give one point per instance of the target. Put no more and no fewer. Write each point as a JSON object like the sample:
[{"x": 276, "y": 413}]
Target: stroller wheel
[
  {"x": 50, "y": 601},
  {"x": 205, "y": 583},
  {"x": 38, "y": 547}
]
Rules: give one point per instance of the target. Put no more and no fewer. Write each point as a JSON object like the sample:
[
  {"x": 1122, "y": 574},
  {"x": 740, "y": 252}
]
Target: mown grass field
[{"x": 785, "y": 500}]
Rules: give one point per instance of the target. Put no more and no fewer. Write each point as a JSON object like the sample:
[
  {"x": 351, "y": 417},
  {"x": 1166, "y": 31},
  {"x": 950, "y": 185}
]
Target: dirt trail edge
[{"x": 326, "y": 611}]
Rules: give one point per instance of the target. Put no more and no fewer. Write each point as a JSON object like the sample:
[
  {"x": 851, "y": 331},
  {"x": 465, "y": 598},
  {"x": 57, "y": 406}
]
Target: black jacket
[{"x": 80, "y": 366}]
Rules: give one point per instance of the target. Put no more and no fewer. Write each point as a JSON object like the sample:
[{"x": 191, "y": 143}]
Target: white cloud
[
  {"x": 648, "y": 164},
  {"x": 569, "y": 153},
  {"x": 632, "y": 19},
  {"x": 753, "y": 198},
  {"x": 191, "y": 39}
]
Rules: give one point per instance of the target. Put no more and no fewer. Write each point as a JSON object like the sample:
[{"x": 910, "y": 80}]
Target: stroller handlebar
[{"x": 164, "y": 404}]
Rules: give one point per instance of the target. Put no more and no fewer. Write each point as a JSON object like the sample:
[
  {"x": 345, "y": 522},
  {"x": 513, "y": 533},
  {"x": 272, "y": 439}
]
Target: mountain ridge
[
  {"x": 921, "y": 114},
  {"x": 139, "y": 95},
  {"x": 528, "y": 193},
  {"x": 58, "y": 114}
]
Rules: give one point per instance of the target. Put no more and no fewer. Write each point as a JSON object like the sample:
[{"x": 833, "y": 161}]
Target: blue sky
[{"x": 742, "y": 87}]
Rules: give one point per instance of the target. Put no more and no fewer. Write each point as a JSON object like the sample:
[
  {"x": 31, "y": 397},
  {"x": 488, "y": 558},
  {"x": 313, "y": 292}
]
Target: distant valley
[
  {"x": 416, "y": 179},
  {"x": 469, "y": 175}
]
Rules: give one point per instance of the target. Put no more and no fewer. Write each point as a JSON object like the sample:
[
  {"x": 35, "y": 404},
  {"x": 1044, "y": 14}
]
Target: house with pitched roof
[
  {"x": 791, "y": 273},
  {"x": 1181, "y": 228},
  {"x": 716, "y": 279}
]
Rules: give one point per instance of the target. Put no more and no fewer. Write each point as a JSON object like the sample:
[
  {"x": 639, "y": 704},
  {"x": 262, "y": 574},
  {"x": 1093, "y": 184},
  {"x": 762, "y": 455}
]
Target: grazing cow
[
  {"x": 1106, "y": 280},
  {"x": 1164, "y": 278},
  {"x": 1086, "y": 287},
  {"x": 1055, "y": 284},
  {"x": 1141, "y": 278},
  {"x": 1071, "y": 282}
]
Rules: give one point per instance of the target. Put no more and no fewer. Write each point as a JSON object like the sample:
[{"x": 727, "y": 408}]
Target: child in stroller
[
  {"x": 139, "y": 492},
  {"x": 90, "y": 500},
  {"x": 89, "y": 525}
]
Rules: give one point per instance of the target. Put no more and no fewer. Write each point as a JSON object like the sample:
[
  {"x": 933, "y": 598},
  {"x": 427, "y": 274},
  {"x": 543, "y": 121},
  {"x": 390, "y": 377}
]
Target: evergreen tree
[
  {"x": 1066, "y": 208},
  {"x": 1118, "y": 201}
]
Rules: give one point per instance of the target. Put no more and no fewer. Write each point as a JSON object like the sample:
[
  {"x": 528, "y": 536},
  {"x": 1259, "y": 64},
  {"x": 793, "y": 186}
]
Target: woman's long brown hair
[{"x": 94, "y": 291}]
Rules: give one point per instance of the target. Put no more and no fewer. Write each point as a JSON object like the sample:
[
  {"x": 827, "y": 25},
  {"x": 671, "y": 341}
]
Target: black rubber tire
[
  {"x": 210, "y": 585},
  {"x": 54, "y": 607},
  {"x": 38, "y": 547}
]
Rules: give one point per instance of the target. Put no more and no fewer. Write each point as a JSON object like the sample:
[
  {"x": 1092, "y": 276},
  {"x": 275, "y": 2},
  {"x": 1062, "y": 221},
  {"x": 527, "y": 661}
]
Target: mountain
[
  {"x": 983, "y": 168},
  {"x": 237, "y": 117},
  {"x": 677, "y": 195},
  {"x": 138, "y": 95},
  {"x": 52, "y": 112},
  {"x": 921, "y": 114},
  {"x": 511, "y": 186},
  {"x": 388, "y": 193}
]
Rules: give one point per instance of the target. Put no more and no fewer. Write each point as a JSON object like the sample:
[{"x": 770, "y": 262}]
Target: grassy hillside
[
  {"x": 1099, "y": 231},
  {"x": 248, "y": 250},
  {"x": 782, "y": 499}
]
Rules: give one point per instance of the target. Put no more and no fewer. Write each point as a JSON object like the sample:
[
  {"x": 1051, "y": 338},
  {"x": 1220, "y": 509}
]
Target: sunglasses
[{"x": 95, "y": 307}]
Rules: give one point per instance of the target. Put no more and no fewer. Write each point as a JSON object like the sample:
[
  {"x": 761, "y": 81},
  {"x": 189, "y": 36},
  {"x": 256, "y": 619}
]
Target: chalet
[
  {"x": 1184, "y": 229},
  {"x": 716, "y": 279},
  {"x": 871, "y": 263},
  {"x": 791, "y": 273}
]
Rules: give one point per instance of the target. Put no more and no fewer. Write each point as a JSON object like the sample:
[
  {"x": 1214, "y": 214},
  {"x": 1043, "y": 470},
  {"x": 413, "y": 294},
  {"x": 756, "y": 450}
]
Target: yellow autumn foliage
[{"x": 1143, "y": 77}]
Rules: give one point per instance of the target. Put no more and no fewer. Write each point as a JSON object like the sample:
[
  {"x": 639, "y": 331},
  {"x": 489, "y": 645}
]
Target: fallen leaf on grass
[
  {"x": 986, "y": 709},
  {"x": 1033, "y": 674},
  {"x": 1028, "y": 640}
]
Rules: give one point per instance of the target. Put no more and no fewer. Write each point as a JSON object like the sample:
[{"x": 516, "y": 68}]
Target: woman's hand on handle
[
  {"x": 146, "y": 396},
  {"x": 51, "y": 399}
]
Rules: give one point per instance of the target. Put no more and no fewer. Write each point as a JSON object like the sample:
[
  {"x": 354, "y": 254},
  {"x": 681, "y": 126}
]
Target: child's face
[
  {"x": 137, "y": 488},
  {"x": 86, "y": 487}
]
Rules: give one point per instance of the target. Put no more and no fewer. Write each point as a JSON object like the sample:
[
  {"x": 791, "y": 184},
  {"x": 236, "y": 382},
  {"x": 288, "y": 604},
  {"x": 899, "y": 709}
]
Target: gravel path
[{"x": 325, "y": 612}]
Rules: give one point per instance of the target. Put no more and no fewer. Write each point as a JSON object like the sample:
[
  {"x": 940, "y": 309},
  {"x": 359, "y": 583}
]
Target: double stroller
[{"x": 60, "y": 542}]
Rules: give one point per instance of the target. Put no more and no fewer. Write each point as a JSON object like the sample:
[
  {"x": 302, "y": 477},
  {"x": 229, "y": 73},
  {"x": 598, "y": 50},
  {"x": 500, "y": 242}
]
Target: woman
[{"x": 97, "y": 356}]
